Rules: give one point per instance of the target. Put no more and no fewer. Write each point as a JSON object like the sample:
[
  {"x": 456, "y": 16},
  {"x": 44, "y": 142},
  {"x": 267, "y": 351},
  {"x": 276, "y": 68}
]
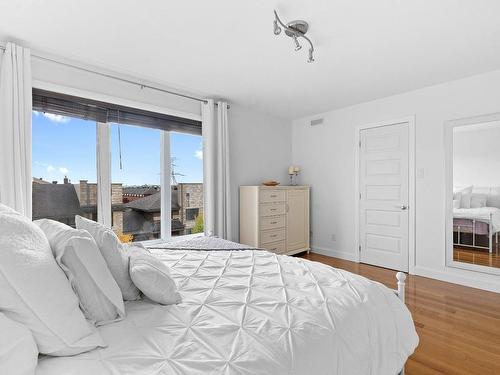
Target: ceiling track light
[{"x": 294, "y": 29}]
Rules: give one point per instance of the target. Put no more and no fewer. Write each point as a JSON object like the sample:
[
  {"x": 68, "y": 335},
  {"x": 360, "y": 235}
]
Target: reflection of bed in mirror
[
  {"x": 472, "y": 166},
  {"x": 476, "y": 221}
]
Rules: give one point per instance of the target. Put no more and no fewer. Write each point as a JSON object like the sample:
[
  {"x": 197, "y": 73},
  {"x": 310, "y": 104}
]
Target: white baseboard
[
  {"x": 456, "y": 279},
  {"x": 335, "y": 253}
]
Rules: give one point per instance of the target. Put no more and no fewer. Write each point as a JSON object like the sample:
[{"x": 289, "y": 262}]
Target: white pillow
[
  {"x": 113, "y": 253},
  {"x": 456, "y": 203},
  {"x": 35, "y": 292},
  {"x": 79, "y": 257},
  {"x": 465, "y": 196},
  {"x": 478, "y": 200},
  {"x": 153, "y": 278},
  {"x": 493, "y": 200},
  {"x": 18, "y": 351}
]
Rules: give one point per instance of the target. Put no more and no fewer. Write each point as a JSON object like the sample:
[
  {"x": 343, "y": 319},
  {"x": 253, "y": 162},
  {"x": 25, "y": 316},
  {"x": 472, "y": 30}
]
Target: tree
[
  {"x": 125, "y": 238},
  {"x": 198, "y": 224}
]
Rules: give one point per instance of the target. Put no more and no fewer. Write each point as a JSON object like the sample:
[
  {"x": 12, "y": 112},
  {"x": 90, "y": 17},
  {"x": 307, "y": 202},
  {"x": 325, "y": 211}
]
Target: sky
[{"x": 64, "y": 146}]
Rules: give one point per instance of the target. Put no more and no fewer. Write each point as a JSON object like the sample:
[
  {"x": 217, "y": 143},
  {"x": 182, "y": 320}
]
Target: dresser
[{"x": 275, "y": 218}]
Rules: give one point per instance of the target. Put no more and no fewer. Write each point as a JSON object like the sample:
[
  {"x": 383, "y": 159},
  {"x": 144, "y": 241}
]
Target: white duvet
[
  {"x": 480, "y": 214},
  {"x": 254, "y": 312}
]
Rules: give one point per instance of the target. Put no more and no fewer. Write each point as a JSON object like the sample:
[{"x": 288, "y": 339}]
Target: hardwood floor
[
  {"x": 476, "y": 256},
  {"x": 459, "y": 327}
]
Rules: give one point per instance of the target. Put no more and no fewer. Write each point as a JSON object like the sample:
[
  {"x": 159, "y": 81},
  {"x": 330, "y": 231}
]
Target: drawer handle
[
  {"x": 273, "y": 209},
  {"x": 274, "y": 222},
  {"x": 273, "y": 195},
  {"x": 273, "y": 235},
  {"x": 274, "y": 249}
]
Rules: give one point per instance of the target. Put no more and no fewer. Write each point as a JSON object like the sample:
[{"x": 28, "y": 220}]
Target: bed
[
  {"x": 248, "y": 311},
  {"x": 480, "y": 221}
]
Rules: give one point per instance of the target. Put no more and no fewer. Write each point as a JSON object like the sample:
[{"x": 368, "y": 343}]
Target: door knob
[{"x": 403, "y": 207}]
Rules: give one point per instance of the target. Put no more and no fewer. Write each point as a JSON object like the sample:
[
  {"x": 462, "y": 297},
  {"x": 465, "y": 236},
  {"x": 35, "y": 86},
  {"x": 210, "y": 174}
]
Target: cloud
[
  {"x": 56, "y": 118},
  {"x": 63, "y": 170},
  {"x": 198, "y": 154},
  {"x": 50, "y": 168}
]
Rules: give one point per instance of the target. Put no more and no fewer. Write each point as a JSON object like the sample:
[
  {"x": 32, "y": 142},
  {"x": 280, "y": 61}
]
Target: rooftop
[
  {"x": 55, "y": 201},
  {"x": 152, "y": 203}
]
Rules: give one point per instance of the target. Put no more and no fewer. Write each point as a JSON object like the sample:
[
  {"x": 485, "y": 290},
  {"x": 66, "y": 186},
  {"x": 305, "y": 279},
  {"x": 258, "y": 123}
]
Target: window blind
[{"x": 87, "y": 109}]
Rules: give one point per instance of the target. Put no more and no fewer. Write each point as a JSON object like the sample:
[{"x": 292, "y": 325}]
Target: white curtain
[
  {"x": 216, "y": 181},
  {"x": 15, "y": 129}
]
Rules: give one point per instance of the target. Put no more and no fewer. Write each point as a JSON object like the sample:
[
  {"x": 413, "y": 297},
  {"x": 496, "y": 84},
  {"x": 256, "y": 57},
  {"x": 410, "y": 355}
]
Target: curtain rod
[{"x": 117, "y": 78}]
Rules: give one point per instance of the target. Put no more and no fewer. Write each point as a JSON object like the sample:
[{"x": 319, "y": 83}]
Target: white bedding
[
  {"x": 254, "y": 312},
  {"x": 480, "y": 214}
]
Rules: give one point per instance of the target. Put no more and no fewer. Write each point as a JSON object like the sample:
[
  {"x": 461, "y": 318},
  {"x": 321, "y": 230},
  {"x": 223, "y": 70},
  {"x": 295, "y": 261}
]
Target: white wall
[
  {"x": 260, "y": 149},
  {"x": 327, "y": 153},
  {"x": 260, "y": 144},
  {"x": 476, "y": 155}
]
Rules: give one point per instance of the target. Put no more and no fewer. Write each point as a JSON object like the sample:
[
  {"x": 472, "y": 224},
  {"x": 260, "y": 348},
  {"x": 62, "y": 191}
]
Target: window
[
  {"x": 64, "y": 168},
  {"x": 116, "y": 165},
  {"x": 187, "y": 183},
  {"x": 136, "y": 187},
  {"x": 191, "y": 213}
]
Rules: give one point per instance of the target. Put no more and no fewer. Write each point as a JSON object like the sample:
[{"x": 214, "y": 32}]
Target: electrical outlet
[{"x": 333, "y": 237}]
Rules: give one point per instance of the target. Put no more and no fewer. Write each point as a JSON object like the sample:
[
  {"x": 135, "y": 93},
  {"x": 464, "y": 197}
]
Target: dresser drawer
[
  {"x": 275, "y": 247},
  {"x": 272, "y": 222},
  {"x": 269, "y": 209},
  {"x": 272, "y": 196},
  {"x": 267, "y": 236}
]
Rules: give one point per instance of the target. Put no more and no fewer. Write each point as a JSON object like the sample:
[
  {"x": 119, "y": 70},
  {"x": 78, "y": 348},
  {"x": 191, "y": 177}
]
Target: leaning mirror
[{"x": 473, "y": 193}]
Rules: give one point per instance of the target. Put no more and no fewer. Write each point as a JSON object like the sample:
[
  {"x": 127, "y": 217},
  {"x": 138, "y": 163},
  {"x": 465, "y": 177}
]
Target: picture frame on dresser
[{"x": 275, "y": 218}]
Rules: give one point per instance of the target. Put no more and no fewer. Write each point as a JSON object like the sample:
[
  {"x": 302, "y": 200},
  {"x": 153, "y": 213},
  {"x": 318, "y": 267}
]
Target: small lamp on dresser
[{"x": 293, "y": 172}]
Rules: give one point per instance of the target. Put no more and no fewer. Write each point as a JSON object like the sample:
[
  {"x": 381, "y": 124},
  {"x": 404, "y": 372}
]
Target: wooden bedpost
[{"x": 401, "y": 285}]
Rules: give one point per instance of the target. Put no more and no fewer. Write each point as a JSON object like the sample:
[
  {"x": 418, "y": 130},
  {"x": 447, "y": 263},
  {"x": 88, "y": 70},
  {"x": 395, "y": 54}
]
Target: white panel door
[
  {"x": 297, "y": 219},
  {"x": 383, "y": 205}
]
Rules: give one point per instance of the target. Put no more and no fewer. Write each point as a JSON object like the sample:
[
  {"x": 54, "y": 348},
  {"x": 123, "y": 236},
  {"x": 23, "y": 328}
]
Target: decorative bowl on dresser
[
  {"x": 275, "y": 218},
  {"x": 270, "y": 183}
]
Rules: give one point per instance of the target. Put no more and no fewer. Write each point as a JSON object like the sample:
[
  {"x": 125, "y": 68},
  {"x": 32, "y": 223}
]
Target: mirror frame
[{"x": 448, "y": 146}]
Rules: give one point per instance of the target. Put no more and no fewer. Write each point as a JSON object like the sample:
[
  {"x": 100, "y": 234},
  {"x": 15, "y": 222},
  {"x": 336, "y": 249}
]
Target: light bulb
[
  {"x": 311, "y": 58},
  {"x": 277, "y": 29},
  {"x": 297, "y": 44}
]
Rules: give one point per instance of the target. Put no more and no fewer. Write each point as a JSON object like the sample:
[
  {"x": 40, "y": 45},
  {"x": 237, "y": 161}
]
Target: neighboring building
[
  {"x": 62, "y": 202},
  {"x": 37, "y": 180},
  {"x": 87, "y": 194},
  {"x": 136, "y": 210},
  {"x": 55, "y": 201},
  {"x": 190, "y": 197},
  {"x": 131, "y": 193},
  {"x": 142, "y": 215}
]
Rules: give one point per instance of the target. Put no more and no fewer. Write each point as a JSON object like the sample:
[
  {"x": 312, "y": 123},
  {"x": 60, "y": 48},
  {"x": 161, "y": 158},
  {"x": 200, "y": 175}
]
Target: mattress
[
  {"x": 200, "y": 242},
  {"x": 254, "y": 312},
  {"x": 481, "y": 214}
]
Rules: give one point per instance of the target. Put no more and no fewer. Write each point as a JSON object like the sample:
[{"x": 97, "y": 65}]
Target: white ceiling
[{"x": 366, "y": 49}]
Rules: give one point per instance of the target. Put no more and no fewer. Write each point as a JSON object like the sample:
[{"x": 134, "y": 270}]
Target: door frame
[{"x": 411, "y": 184}]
